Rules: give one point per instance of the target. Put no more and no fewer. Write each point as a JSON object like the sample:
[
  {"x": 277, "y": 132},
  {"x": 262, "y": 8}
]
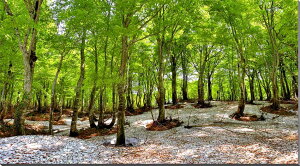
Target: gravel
[{"x": 221, "y": 141}]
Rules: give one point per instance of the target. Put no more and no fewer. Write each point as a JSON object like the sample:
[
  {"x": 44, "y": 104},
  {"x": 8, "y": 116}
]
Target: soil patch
[
  {"x": 93, "y": 132},
  {"x": 166, "y": 125},
  {"x": 280, "y": 111}
]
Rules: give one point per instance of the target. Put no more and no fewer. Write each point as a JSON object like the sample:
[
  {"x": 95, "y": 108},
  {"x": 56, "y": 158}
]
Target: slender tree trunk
[
  {"x": 73, "y": 130},
  {"x": 6, "y": 87},
  {"x": 174, "y": 80},
  {"x": 93, "y": 92},
  {"x": 251, "y": 84},
  {"x": 209, "y": 89},
  {"x": 53, "y": 94},
  {"x": 268, "y": 17},
  {"x": 203, "y": 59},
  {"x": 129, "y": 92},
  {"x": 241, "y": 74},
  {"x": 184, "y": 77},
  {"x": 259, "y": 89}
]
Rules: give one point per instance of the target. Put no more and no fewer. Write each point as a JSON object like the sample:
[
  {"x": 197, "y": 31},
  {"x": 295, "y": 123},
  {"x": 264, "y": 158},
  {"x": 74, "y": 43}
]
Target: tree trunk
[
  {"x": 73, "y": 130},
  {"x": 241, "y": 74},
  {"x": 122, "y": 88},
  {"x": 93, "y": 92},
  {"x": 129, "y": 92},
  {"x": 161, "y": 89},
  {"x": 259, "y": 89},
  {"x": 28, "y": 50},
  {"x": 174, "y": 81},
  {"x": 209, "y": 90},
  {"x": 184, "y": 77},
  {"x": 53, "y": 94},
  {"x": 268, "y": 17},
  {"x": 6, "y": 87},
  {"x": 251, "y": 84}
]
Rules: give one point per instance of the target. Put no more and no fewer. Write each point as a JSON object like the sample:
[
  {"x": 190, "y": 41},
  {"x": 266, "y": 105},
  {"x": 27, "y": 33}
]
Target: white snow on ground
[{"x": 221, "y": 141}]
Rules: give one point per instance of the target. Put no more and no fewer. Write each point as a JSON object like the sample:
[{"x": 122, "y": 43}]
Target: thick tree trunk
[
  {"x": 161, "y": 89},
  {"x": 53, "y": 94},
  {"x": 73, "y": 130},
  {"x": 122, "y": 88},
  {"x": 28, "y": 49}
]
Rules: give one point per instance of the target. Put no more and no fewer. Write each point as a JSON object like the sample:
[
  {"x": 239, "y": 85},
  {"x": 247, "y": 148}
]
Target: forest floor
[{"x": 218, "y": 140}]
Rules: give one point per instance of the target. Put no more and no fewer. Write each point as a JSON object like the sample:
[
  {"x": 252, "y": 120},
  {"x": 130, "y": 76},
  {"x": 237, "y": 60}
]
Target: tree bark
[
  {"x": 53, "y": 94},
  {"x": 251, "y": 85},
  {"x": 174, "y": 80},
  {"x": 93, "y": 92},
  {"x": 73, "y": 130},
  {"x": 161, "y": 89},
  {"x": 6, "y": 87},
  {"x": 28, "y": 50},
  {"x": 184, "y": 77}
]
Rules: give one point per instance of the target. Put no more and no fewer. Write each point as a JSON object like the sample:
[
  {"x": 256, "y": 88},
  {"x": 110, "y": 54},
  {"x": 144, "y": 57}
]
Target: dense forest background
[{"x": 100, "y": 57}]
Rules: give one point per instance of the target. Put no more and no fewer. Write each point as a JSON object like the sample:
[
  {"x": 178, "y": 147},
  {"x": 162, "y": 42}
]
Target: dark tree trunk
[
  {"x": 174, "y": 81},
  {"x": 161, "y": 88},
  {"x": 130, "y": 101},
  {"x": 184, "y": 77},
  {"x": 251, "y": 84},
  {"x": 6, "y": 87}
]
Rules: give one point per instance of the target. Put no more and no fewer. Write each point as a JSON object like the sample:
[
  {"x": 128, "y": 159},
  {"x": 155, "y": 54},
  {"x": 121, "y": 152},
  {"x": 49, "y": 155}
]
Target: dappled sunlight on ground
[{"x": 218, "y": 140}]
